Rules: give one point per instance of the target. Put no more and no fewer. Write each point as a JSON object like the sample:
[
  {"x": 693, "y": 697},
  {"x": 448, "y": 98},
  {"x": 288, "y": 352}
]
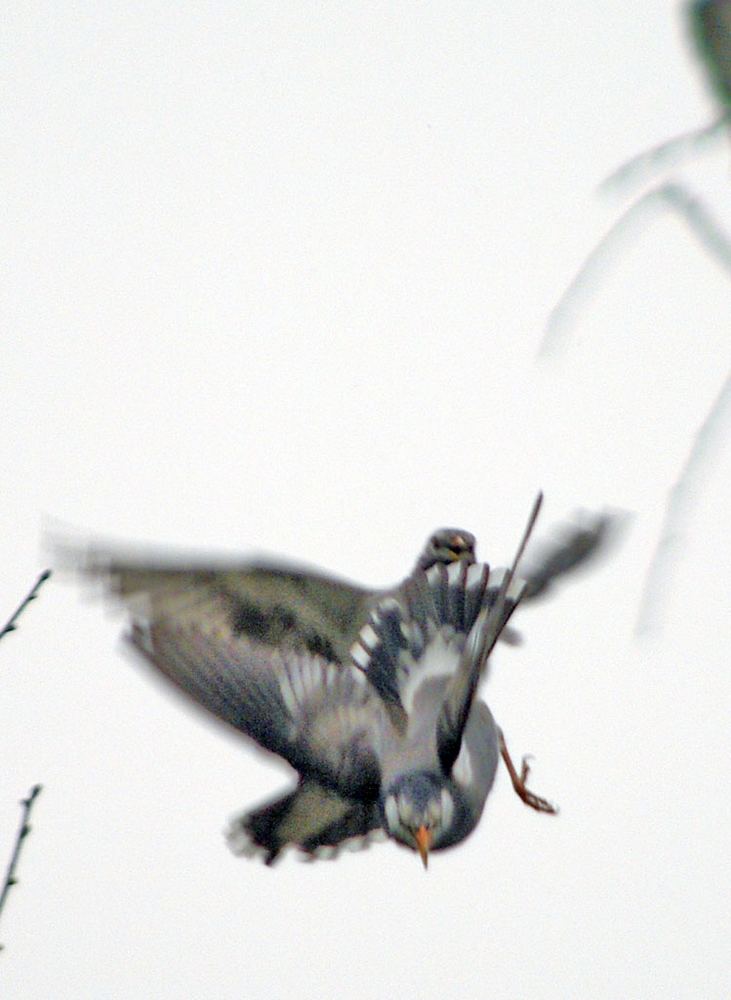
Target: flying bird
[{"x": 370, "y": 695}]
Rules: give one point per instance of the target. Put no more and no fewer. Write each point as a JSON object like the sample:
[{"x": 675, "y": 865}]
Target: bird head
[
  {"x": 419, "y": 811},
  {"x": 447, "y": 545}
]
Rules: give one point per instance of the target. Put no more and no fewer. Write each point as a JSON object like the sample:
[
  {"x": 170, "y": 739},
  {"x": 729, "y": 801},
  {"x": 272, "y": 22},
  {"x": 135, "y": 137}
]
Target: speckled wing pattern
[
  {"x": 433, "y": 608},
  {"x": 260, "y": 666},
  {"x": 271, "y": 605},
  {"x": 311, "y": 668},
  {"x": 266, "y": 649},
  {"x": 442, "y": 603},
  {"x": 269, "y": 668}
]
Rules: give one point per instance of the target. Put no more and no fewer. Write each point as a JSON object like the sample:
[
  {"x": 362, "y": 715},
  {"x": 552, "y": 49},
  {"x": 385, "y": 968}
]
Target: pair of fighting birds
[{"x": 371, "y": 696}]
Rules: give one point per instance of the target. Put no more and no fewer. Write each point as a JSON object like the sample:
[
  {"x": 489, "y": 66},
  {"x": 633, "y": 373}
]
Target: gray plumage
[{"x": 369, "y": 695}]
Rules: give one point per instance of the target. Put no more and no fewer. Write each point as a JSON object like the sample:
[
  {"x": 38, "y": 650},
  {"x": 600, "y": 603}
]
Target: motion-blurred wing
[
  {"x": 573, "y": 546},
  {"x": 272, "y": 605},
  {"x": 258, "y": 649}
]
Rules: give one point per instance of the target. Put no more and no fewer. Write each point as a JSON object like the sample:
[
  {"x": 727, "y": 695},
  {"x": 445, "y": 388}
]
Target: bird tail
[{"x": 311, "y": 817}]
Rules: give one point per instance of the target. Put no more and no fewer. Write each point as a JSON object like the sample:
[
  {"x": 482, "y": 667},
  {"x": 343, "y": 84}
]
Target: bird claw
[
  {"x": 525, "y": 768},
  {"x": 519, "y": 781},
  {"x": 535, "y": 801}
]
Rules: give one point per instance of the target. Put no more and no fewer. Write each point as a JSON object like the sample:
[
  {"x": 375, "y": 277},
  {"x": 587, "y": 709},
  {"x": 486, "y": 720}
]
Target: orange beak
[{"x": 423, "y": 843}]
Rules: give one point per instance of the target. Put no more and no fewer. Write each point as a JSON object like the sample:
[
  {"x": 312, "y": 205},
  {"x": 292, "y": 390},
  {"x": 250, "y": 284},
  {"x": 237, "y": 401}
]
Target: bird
[{"x": 369, "y": 695}]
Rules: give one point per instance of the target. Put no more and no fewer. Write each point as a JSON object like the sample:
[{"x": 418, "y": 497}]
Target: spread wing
[
  {"x": 272, "y": 605},
  {"x": 444, "y": 622},
  {"x": 573, "y": 545},
  {"x": 419, "y": 633},
  {"x": 261, "y": 648}
]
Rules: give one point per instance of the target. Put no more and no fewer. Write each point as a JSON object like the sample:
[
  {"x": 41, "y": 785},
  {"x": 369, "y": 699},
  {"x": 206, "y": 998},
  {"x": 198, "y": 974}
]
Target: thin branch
[
  {"x": 11, "y": 625},
  {"x": 681, "y": 500},
  {"x": 563, "y": 317},
  {"x": 23, "y": 831},
  {"x": 665, "y": 154}
]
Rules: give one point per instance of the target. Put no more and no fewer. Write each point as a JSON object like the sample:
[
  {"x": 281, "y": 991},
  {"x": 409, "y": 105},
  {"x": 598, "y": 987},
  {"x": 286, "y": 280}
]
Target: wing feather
[
  {"x": 265, "y": 649},
  {"x": 422, "y": 634},
  {"x": 272, "y": 605},
  {"x": 319, "y": 716}
]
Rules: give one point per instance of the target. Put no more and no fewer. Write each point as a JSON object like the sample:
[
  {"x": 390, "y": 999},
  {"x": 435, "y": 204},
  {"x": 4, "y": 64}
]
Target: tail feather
[{"x": 311, "y": 818}]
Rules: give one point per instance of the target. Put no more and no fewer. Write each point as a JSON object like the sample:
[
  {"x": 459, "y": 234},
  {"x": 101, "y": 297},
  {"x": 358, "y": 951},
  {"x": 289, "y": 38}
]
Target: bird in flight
[{"x": 370, "y": 695}]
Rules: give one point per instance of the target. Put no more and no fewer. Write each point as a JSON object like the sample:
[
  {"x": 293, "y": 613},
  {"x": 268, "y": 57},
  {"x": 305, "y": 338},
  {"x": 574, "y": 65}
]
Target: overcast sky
[{"x": 275, "y": 277}]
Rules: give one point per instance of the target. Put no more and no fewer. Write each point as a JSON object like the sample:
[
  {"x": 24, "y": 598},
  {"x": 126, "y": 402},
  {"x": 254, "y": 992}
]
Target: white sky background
[{"x": 275, "y": 278}]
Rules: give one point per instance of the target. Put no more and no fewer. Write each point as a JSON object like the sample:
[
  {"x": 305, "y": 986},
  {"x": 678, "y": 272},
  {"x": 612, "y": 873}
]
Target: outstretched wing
[
  {"x": 267, "y": 664},
  {"x": 573, "y": 545},
  {"x": 444, "y": 622},
  {"x": 273, "y": 605},
  {"x": 419, "y": 633}
]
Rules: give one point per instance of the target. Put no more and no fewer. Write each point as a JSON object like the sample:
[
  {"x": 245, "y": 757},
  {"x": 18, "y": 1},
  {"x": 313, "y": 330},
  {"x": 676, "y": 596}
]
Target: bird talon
[
  {"x": 525, "y": 768},
  {"x": 538, "y": 803},
  {"x": 519, "y": 781}
]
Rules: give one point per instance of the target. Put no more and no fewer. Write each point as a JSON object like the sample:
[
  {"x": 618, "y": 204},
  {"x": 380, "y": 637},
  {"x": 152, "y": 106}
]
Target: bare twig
[
  {"x": 10, "y": 624},
  {"x": 23, "y": 831},
  {"x": 668, "y": 197},
  {"x": 681, "y": 500},
  {"x": 666, "y": 154}
]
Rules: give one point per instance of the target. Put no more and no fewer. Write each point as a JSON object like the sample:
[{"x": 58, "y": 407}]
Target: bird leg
[{"x": 519, "y": 780}]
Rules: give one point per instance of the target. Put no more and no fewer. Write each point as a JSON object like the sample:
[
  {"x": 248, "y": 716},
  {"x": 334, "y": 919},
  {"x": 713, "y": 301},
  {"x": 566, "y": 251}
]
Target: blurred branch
[
  {"x": 10, "y": 624},
  {"x": 681, "y": 500},
  {"x": 23, "y": 831},
  {"x": 669, "y": 197}
]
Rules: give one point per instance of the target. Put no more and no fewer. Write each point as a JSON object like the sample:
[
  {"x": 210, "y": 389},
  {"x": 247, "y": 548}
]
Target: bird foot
[{"x": 519, "y": 781}]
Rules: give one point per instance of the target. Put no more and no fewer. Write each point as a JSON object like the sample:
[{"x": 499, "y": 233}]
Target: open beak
[{"x": 423, "y": 843}]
